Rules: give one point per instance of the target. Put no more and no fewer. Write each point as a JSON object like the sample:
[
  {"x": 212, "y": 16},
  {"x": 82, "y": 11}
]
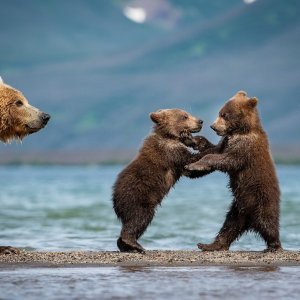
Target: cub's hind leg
[
  {"x": 269, "y": 231},
  {"x": 234, "y": 226},
  {"x": 133, "y": 229}
]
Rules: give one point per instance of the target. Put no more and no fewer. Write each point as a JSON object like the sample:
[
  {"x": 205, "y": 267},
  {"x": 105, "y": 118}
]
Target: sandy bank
[{"x": 151, "y": 258}]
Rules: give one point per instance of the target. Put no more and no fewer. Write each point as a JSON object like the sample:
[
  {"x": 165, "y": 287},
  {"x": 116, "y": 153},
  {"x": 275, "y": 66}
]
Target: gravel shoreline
[{"x": 151, "y": 258}]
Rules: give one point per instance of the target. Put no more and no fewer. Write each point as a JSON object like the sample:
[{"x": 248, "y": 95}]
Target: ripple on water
[{"x": 64, "y": 208}]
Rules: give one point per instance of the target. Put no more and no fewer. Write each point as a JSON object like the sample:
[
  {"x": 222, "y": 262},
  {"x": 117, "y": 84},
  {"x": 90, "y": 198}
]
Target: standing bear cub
[
  {"x": 244, "y": 154},
  {"x": 142, "y": 185}
]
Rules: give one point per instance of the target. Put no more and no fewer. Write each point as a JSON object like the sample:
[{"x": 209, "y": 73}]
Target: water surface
[
  {"x": 152, "y": 283},
  {"x": 69, "y": 208}
]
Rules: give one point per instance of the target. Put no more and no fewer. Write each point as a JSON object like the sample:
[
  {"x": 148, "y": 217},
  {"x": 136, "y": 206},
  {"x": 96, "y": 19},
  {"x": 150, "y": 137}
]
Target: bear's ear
[
  {"x": 252, "y": 102},
  {"x": 241, "y": 93},
  {"x": 155, "y": 117},
  {"x": 1, "y": 80}
]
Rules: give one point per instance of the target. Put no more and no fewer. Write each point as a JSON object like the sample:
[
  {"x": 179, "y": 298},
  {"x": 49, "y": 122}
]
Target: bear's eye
[
  {"x": 224, "y": 116},
  {"x": 19, "y": 103},
  {"x": 185, "y": 117}
]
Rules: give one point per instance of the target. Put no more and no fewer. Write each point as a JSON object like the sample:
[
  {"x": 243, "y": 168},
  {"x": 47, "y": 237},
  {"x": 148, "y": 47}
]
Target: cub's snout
[
  {"x": 219, "y": 126},
  {"x": 200, "y": 124}
]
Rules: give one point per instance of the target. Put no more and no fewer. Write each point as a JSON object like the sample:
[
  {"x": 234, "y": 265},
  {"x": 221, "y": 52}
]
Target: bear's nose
[
  {"x": 45, "y": 118},
  {"x": 213, "y": 127},
  {"x": 200, "y": 122}
]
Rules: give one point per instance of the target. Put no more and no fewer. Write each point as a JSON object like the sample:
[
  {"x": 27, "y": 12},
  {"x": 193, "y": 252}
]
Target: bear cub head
[
  {"x": 238, "y": 116},
  {"x": 175, "y": 123},
  {"x": 18, "y": 118}
]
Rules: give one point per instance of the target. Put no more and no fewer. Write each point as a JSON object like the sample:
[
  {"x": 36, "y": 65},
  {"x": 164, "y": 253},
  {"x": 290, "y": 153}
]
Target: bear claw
[
  {"x": 195, "y": 167},
  {"x": 273, "y": 249},
  {"x": 128, "y": 246},
  {"x": 212, "y": 247}
]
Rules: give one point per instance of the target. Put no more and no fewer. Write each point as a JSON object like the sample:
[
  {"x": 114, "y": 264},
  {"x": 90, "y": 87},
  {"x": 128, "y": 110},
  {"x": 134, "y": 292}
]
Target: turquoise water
[{"x": 69, "y": 208}]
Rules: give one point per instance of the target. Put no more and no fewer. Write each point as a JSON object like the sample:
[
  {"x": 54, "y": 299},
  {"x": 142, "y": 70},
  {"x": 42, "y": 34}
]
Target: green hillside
[{"x": 99, "y": 74}]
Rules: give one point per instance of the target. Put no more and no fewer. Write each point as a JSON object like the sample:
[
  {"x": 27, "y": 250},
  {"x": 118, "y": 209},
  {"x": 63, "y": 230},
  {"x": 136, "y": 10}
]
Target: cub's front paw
[
  {"x": 197, "y": 166},
  {"x": 201, "y": 143},
  {"x": 187, "y": 138}
]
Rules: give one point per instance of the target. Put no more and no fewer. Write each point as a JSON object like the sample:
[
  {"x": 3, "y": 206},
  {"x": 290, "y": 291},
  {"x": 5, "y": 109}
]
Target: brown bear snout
[
  {"x": 36, "y": 120},
  {"x": 198, "y": 127},
  {"x": 45, "y": 118},
  {"x": 219, "y": 129},
  {"x": 213, "y": 127},
  {"x": 219, "y": 126}
]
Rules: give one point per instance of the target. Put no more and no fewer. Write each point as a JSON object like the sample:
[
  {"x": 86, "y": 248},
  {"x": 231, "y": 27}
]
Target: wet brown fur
[
  {"x": 143, "y": 184},
  {"x": 244, "y": 154}
]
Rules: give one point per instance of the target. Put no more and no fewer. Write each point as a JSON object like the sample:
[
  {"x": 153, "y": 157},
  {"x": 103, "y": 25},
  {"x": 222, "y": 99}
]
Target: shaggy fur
[
  {"x": 17, "y": 119},
  {"x": 244, "y": 154},
  {"x": 142, "y": 185}
]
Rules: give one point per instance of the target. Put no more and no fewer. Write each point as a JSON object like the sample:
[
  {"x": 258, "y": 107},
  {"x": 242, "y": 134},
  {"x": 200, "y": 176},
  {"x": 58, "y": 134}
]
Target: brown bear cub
[
  {"x": 244, "y": 154},
  {"x": 142, "y": 185}
]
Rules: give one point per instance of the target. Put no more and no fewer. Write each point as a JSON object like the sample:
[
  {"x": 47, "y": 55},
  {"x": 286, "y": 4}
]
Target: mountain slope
[{"x": 99, "y": 74}]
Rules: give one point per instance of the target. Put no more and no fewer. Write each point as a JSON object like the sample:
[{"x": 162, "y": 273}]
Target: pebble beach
[{"x": 151, "y": 258}]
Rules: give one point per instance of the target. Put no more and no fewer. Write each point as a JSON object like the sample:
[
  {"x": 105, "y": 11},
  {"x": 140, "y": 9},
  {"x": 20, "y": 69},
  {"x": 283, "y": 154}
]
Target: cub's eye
[
  {"x": 19, "y": 103},
  {"x": 224, "y": 116},
  {"x": 185, "y": 117}
]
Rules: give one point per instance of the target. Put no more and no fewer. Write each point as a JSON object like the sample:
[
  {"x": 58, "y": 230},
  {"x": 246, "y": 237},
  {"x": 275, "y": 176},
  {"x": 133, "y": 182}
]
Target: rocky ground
[{"x": 151, "y": 258}]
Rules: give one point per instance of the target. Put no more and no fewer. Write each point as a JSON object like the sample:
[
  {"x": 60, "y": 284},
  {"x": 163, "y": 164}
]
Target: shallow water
[
  {"x": 152, "y": 283},
  {"x": 69, "y": 208}
]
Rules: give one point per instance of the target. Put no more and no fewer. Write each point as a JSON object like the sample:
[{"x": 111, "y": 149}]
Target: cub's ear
[
  {"x": 1, "y": 80},
  {"x": 155, "y": 117},
  {"x": 252, "y": 102}
]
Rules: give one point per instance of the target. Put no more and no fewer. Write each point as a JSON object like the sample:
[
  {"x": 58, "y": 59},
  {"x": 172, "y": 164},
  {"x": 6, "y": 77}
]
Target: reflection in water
[
  {"x": 266, "y": 268},
  {"x": 130, "y": 269},
  {"x": 151, "y": 283}
]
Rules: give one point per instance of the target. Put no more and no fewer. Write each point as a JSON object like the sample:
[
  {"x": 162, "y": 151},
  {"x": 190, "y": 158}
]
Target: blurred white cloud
[
  {"x": 160, "y": 12},
  {"x": 135, "y": 14},
  {"x": 249, "y": 1}
]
